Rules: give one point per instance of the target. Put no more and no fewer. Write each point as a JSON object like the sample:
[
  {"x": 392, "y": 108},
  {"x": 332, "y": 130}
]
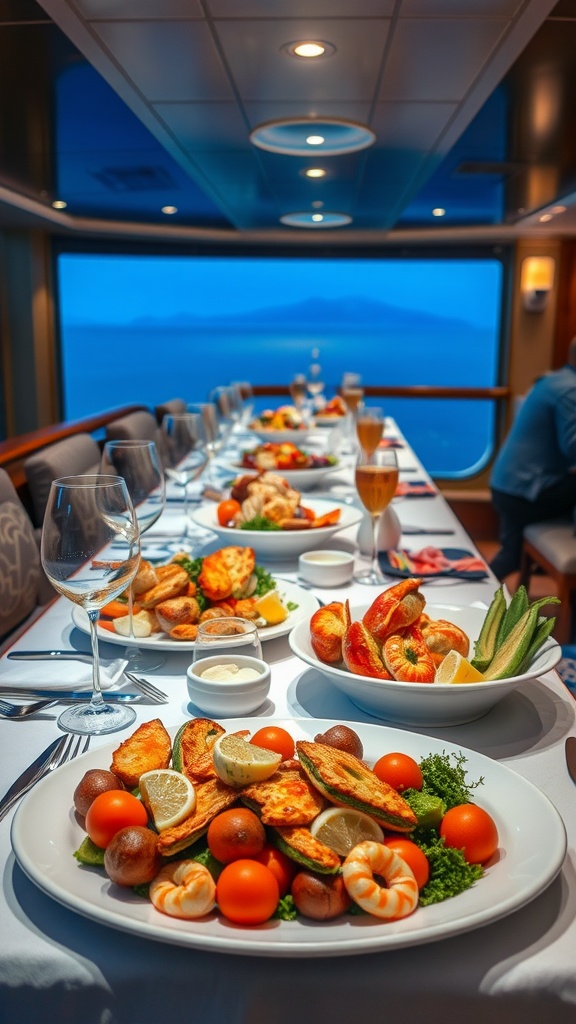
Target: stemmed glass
[
  {"x": 369, "y": 427},
  {"x": 352, "y": 393},
  {"x": 184, "y": 453},
  {"x": 221, "y": 398},
  {"x": 376, "y": 482},
  {"x": 211, "y": 429},
  {"x": 84, "y": 516},
  {"x": 138, "y": 463}
]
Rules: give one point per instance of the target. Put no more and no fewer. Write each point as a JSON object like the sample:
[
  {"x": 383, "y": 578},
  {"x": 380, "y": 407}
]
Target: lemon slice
[
  {"x": 456, "y": 669},
  {"x": 168, "y": 796},
  {"x": 270, "y": 607},
  {"x": 240, "y": 763},
  {"x": 342, "y": 828}
]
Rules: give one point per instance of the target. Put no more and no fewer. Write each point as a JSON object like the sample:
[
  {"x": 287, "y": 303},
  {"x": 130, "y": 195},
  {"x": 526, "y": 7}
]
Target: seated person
[{"x": 534, "y": 475}]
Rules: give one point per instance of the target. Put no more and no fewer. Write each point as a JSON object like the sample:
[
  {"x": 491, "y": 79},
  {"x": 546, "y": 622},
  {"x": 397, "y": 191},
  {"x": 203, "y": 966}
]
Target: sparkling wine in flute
[
  {"x": 376, "y": 482},
  {"x": 352, "y": 397},
  {"x": 298, "y": 390},
  {"x": 369, "y": 429}
]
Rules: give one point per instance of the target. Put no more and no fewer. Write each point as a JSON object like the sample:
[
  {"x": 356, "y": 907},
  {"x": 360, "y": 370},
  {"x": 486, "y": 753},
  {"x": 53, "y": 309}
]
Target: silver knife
[
  {"x": 30, "y": 775},
  {"x": 112, "y": 696},
  {"x": 50, "y": 656}
]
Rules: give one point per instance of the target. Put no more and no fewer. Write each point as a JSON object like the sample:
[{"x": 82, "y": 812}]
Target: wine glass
[
  {"x": 298, "y": 391},
  {"x": 184, "y": 453},
  {"x": 211, "y": 429},
  {"x": 220, "y": 396},
  {"x": 84, "y": 516},
  {"x": 138, "y": 462},
  {"x": 352, "y": 393},
  {"x": 376, "y": 482},
  {"x": 369, "y": 427}
]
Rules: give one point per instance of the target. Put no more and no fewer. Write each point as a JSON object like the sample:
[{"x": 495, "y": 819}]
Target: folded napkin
[{"x": 58, "y": 674}]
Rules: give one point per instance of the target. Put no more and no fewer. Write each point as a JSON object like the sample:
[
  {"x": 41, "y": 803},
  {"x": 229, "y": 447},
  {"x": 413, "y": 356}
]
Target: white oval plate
[
  {"x": 424, "y": 704},
  {"x": 280, "y": 544},
  {"x": 45, "y": 834},
  {"x": 290, "y": 592},
  {"x": 299, "y": 479}
]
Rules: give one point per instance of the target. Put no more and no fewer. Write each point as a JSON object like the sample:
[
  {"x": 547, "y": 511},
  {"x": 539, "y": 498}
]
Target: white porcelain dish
[
  {"x": 328, "y": 421},
  {"x": 225, "y": 697},
  {"x": 325, "y": 568},
  {"x": 532, "y": 847},
  {"x": 280, "y": 544},
  {"x": 291, "y": 593},
  {"x": 299, "y": 479},
  {"x": 278, "y": 436},
  {"x": 424, "y": 704}
]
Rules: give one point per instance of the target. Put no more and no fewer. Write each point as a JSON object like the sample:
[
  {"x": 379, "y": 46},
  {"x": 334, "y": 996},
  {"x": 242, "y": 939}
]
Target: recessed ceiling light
[
  {"x": 315, "y": 172},
  {"x": 59, "y": 204},
  {"x": 294, "y": 136},
  {"x": 309, "y": 49},
  {"x": 169, "y": 210},
  {"x": 316, "y": 220},
  {"x": 438, "y": 211},
  {"x": 545, "y": 217}
]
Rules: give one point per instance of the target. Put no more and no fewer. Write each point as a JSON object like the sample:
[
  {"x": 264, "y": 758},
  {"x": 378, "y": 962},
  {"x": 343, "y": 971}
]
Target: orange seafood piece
[
  {"x": 214, "y": 578},
  {"x": 327, "y": 628},
  {"x": 394, "y": 609},
  {"x": 329, "y": 519},
  {"x": 408, "y": 658},
  {"x": 441, "y": 636},
  {"x": 361, "y": 653}
]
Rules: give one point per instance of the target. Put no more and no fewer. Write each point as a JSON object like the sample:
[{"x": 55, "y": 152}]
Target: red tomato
[
  {"x": 280, "y": 865},
  {"x": 413, "y": 856},
  {"x": 400, "y": 771},
  {"x": 227, "y": 510},
  {"x": 471, "y": 829},
  {"x": 110, "y": 812},
  {"x": 247, "y": 892},
  {"x": 272, "y": 737}
]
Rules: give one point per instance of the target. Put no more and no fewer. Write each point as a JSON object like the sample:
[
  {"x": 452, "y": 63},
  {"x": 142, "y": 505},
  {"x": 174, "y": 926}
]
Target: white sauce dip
[{"x": 227, "y": 672}]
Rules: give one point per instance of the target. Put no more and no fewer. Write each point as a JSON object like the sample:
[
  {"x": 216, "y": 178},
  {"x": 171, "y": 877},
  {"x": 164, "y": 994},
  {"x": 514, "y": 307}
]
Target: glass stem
[
  {"x": 375, "y": 532},
  {"x": 131, "y": 611},
  {"x": 96, "y": 698}
]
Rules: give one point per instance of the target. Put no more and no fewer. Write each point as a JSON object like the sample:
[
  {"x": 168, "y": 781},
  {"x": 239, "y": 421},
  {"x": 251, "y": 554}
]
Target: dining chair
[
  {"x": 551, "y": 546},
  {"x": 136, "y": 426},
  {"x": 23, "y": 586},
  {"x": 69, "y": 457},
  {"x": 174, "y": 407}
]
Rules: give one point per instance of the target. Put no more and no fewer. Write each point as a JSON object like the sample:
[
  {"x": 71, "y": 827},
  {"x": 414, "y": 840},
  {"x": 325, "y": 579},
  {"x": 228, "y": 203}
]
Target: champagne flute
[
  {"x": 138, "y": 463},
  {"x": 84, "y": 515},
  {"x": 369, "y": 427},
  {"x": 184, "y": 453},
  {"x": 352, "y": 393},
  {"x": 376, "y": 482},
  {"x": 298, "y": 390}
]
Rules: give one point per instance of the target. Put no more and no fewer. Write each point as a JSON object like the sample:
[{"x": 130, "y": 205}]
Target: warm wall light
[
  {"x": 536, "y": 281},
  {"x": 315, "y": 172},
  {"x": 59, "y": 204}
]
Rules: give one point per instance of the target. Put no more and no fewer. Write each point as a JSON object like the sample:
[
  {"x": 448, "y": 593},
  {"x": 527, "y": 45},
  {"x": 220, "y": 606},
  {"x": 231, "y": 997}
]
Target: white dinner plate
[
  {"x": 280, "y": 544},
  {"x": 299, "y": 479},
  {"x": 290, "y": 592},
  {"x": 279, "y": 436},
  {"x": 532, "y": 846}
]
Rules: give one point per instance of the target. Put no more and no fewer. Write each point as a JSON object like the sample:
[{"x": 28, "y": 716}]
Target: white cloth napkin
[{"x": 56, "y": 674}]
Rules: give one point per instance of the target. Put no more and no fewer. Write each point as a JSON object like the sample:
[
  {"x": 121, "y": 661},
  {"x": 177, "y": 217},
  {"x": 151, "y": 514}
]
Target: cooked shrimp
[
  {"x": 184, "y": 889},
  {"x": 358, "y": 870}
]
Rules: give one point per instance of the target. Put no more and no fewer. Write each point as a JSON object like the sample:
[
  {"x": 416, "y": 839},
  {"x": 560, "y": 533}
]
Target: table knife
[
  {"x": 50, "y": 656},
  {"x": 571, "y": 757},
  {"x": 29, "y": 775},
  {"x": 110, "y": 696}
]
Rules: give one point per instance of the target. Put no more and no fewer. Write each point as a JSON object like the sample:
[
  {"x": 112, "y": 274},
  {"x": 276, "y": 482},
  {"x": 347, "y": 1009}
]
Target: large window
[{"x": 146, "y": 328}]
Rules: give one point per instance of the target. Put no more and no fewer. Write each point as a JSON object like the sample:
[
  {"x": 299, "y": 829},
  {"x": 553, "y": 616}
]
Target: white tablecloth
[{"x": 55, "y": 965}]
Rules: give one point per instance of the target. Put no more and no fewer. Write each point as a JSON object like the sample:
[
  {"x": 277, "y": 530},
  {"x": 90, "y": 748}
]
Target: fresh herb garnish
[
  {"x": 447, "y": 780},
  {"x": 260, "y": 523},
  {"x": 265, "y": 582}
]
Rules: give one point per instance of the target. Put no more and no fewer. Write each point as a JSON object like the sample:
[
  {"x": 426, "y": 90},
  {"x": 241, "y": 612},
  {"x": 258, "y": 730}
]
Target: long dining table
[{"x": 58, "y": 964}]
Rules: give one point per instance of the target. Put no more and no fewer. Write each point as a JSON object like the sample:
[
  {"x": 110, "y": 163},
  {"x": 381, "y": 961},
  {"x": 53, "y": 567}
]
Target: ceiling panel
[
  {"x": 301, "y": 8},
  {"x": 129, "y": 10},
  {"x": 203, "y": 126}
]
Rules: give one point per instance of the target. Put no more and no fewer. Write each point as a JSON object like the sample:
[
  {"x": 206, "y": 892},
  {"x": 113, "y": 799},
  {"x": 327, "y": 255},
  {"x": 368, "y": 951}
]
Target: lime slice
[
  {"x": 270, "y": 607},
  {"x": 168, "y": 796},
  {"x": 456, "y": 669},
  {"x": 342, "y": 828},
  {"x": 240, "y": 763}
]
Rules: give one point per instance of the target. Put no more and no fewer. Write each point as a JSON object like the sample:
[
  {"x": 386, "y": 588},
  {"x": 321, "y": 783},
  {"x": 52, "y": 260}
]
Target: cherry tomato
[
  {"x": 110, "y": 812},
  {"x": 247, "y": 892},
  {"x": 413, "y": 856},
  {"x": 400, "y": 771},
  {"x": 227, "y": 510},
  {"x": 280, "y": 865},
  {"x": 272, "y": 737},
  {"x": 471, "y": 829}
]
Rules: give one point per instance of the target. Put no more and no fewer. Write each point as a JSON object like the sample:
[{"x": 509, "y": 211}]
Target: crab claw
[
  {"x": 441, "y": 636},
  {"x": 361, "y": 653},
  {"x": 408, "y": 658},
  {"x": 327, "y": 628},
  {"x": 394, "y": 609}
]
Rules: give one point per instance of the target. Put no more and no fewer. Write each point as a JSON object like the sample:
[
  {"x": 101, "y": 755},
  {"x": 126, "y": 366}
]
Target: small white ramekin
[
  {"x": 324, "y": 568},
  {"x": 228, "y": 697}
]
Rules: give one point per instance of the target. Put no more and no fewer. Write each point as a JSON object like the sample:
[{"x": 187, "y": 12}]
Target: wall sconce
[{"x": 536, "y": 282}]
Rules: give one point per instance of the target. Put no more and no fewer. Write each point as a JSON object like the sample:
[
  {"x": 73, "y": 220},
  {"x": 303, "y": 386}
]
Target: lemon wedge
[
  {"x": 239, "y": 763},
  {"x": 270, "y": 607},
  {"x": 456, "y": 669},
  {"x": 168, "y": 796},
  {"x": 342, "y": 828}
]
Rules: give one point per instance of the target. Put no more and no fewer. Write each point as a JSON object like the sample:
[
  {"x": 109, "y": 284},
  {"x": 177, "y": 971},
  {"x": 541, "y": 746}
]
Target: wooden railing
[{"x": 408, "y": 391}]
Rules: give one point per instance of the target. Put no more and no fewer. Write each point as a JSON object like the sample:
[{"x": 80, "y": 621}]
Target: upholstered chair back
[{"x": 69, "y": 457}]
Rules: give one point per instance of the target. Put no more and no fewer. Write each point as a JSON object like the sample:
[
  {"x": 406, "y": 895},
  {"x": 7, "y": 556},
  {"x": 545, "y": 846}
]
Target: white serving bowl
[
  {"x": 228, "y": 697},
  {"x": 299, "y": 479},
  {"x": 326, "y": 568},
  {"x": 281, "y": 435},
  {"x": 425, "y": 704},
  {"x": 279, "y": 544}
]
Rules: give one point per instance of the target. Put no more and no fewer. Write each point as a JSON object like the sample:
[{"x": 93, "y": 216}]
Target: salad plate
[
  {"x": 290, "y": 593},
  {"x": 532, "y": 847}
]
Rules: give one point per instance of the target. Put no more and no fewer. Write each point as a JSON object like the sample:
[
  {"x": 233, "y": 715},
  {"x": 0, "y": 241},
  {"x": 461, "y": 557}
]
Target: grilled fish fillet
[
  {"x": 193, "y": 748},
  {"x": 347, "y": 782},
  {"x": 299, "y": 844},
  {"x": 286, "y": 798},
  {"x": 146, "y": 749},
  {"x": 212, "y": 797}
]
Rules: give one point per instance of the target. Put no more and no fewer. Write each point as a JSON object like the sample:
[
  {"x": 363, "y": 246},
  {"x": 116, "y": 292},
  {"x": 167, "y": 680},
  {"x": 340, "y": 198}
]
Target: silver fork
[
  {"x": 19, "y": 711},
  {"x": 70, "y": 749},
  {"x": 147, "y": 688}
]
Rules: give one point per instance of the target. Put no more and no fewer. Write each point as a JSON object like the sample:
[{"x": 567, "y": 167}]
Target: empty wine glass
[
  {"x": 376, "y": 482},
  {"x": 220, "y": 396},
  {"x": 138, "y": 462},
  {"x": 212, "y": 436},
  {"x": 184, "y": 454},
  {"x": 84, "y": 516}
]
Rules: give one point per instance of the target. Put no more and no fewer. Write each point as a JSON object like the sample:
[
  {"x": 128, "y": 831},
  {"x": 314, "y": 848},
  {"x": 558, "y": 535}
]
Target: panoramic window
[{"x": 143, "y": 329}]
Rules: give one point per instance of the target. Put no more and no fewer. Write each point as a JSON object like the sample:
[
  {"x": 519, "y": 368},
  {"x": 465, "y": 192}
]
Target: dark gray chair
[
  {"x": 69, "y": 457},
  {"x": 174, "y": 407},
  {"x": 136, "y": 426}
]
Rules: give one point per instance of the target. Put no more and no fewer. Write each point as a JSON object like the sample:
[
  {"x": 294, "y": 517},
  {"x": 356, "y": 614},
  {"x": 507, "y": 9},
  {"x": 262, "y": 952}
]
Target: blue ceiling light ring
[
  {"x": 316, "y": 220},
  {"x": 288, "y": 136}
]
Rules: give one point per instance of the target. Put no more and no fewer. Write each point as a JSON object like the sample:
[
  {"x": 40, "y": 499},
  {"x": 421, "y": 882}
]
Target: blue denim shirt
[{"x": 541, "y": 446}]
